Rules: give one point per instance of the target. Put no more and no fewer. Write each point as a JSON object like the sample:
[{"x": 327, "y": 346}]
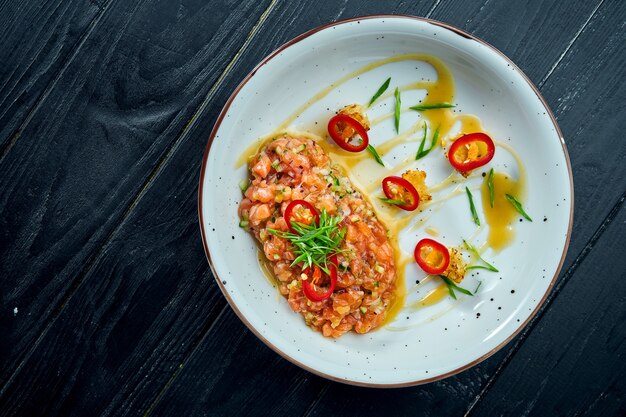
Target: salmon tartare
[{"x": 294, "y": 193}]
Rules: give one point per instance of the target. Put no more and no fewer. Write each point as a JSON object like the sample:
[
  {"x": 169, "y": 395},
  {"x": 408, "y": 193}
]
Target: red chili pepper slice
[
  {"x": 305, "y": 215},
  {"x": 471, "y": 151},
  {"x": 432, "y": 256},
  {"x": 397, "y": 188},
  {"x": 342, "y": 129},
  {"x": 308, "y": 285}
]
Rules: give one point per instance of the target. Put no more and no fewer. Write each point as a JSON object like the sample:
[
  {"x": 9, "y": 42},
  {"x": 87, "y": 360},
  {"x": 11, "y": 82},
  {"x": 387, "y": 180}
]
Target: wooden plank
[
  {"x": 37, "y": 42},
  {"x": 574, "y": 361},
  {"x": 587, "y": 95},
  {"x": 239, "y": 380},
  {"x": 94, "y": 143},
  {"x": 533, "y": 33}
]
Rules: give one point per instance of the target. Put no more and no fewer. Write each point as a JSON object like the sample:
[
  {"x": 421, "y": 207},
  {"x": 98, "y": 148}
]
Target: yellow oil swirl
[
  {"x": 433, "y": 297},
  {"x": 441, "y": 90},
  {"x": 500, "y": 218}
]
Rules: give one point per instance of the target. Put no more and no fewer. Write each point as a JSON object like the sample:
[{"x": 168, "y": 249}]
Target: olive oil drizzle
[{"x": 440, "y": 90}]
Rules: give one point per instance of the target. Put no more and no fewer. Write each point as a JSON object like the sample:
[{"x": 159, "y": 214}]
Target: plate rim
[{"x": 218, "y": 123}]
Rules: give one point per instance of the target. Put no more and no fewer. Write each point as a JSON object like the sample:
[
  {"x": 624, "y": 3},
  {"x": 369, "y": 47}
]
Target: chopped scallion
[
  {"x": 380, "y": 91},
  {"x": 518, "y": 206},
  {"x": 392, "y": 201},
  {"x": 472, "y": 207},
  {"x": 375, "y": 154},
  {"x": 421, "y": 152},
  {"x": 397, "y": 110},
  {"x": 453, "y": 287},
  {"x": 474, "y": 251},
  {"x": 423, "y": 107},
  {"x": 315, "y": 243}
]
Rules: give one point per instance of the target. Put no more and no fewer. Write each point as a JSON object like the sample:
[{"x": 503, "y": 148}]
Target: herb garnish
[
  {"x": 315, "y": 244},
  {"x": 392, "y": 201},
  {"x": 472, "y": 207},
  {"x": 423, "y": 107},
  {"x": 487, "y": 265},
  {"x": 397, "y": 110},
  {"x": 453, "y": 287},
  {"x": 380, "y": 91},
  {"x": 479, "y": 284},
  {"x": 490, "y": 186},
  {"x": 244, "y": 184},
  {"x": 374, "y": 153},
  {"x": 421, "y": 152},
  {"x": 422, "y": 143},
  {"x": 518, "y": 206}
]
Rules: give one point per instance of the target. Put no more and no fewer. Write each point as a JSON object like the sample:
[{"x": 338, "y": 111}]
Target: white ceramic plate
[{"x": 437, "y": 341}]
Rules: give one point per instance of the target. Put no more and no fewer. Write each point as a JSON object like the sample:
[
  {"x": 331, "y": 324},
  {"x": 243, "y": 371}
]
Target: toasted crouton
[
  {"x": 356, "y": 112},
  {"x": 457, "y": 268},
  {"x": 418, "y": 179}
]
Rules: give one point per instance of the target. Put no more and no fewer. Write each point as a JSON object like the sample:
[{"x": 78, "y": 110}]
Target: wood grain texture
[
  {"x": 589, "y": 100},
  {"x": 93, "y": 144},
  {"x": 533, "y": 33},
  {"x": 574, "y": 361},
  {"x": 37, "y": 42},
  {"x": 266, "y": 384}
]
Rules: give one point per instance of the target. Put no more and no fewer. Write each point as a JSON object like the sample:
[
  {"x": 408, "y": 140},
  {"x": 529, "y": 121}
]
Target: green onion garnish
[
  {"x": 472, "y": 207},
  {"x": 243, "y": 185},
  {"x": 422, "y": 143},
  {"x": 380, "y": 91},
  {"x": 374, "y": 153},
  {"x": 518, "y": 206},
  {"x": 397, "y": 110},
  {"x": 423, "y": 107},
  {"x": 487, "y": 266},
  {"x": 392, "y": 201},
  {"x": 314, "y": 243},
  {"x": 479, "y": 284},
  {"x": 452, "y": 287},
  {"x": 421, "y": 152},
  {"x": 490, "y": 186}
]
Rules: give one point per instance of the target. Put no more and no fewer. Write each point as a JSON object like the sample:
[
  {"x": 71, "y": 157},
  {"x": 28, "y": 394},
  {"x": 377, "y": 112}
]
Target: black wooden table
[{"x": 107, "y": 303}]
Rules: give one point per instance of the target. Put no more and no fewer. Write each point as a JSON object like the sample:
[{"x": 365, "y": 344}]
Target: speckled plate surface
[{"x": 430, "y": 343}]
